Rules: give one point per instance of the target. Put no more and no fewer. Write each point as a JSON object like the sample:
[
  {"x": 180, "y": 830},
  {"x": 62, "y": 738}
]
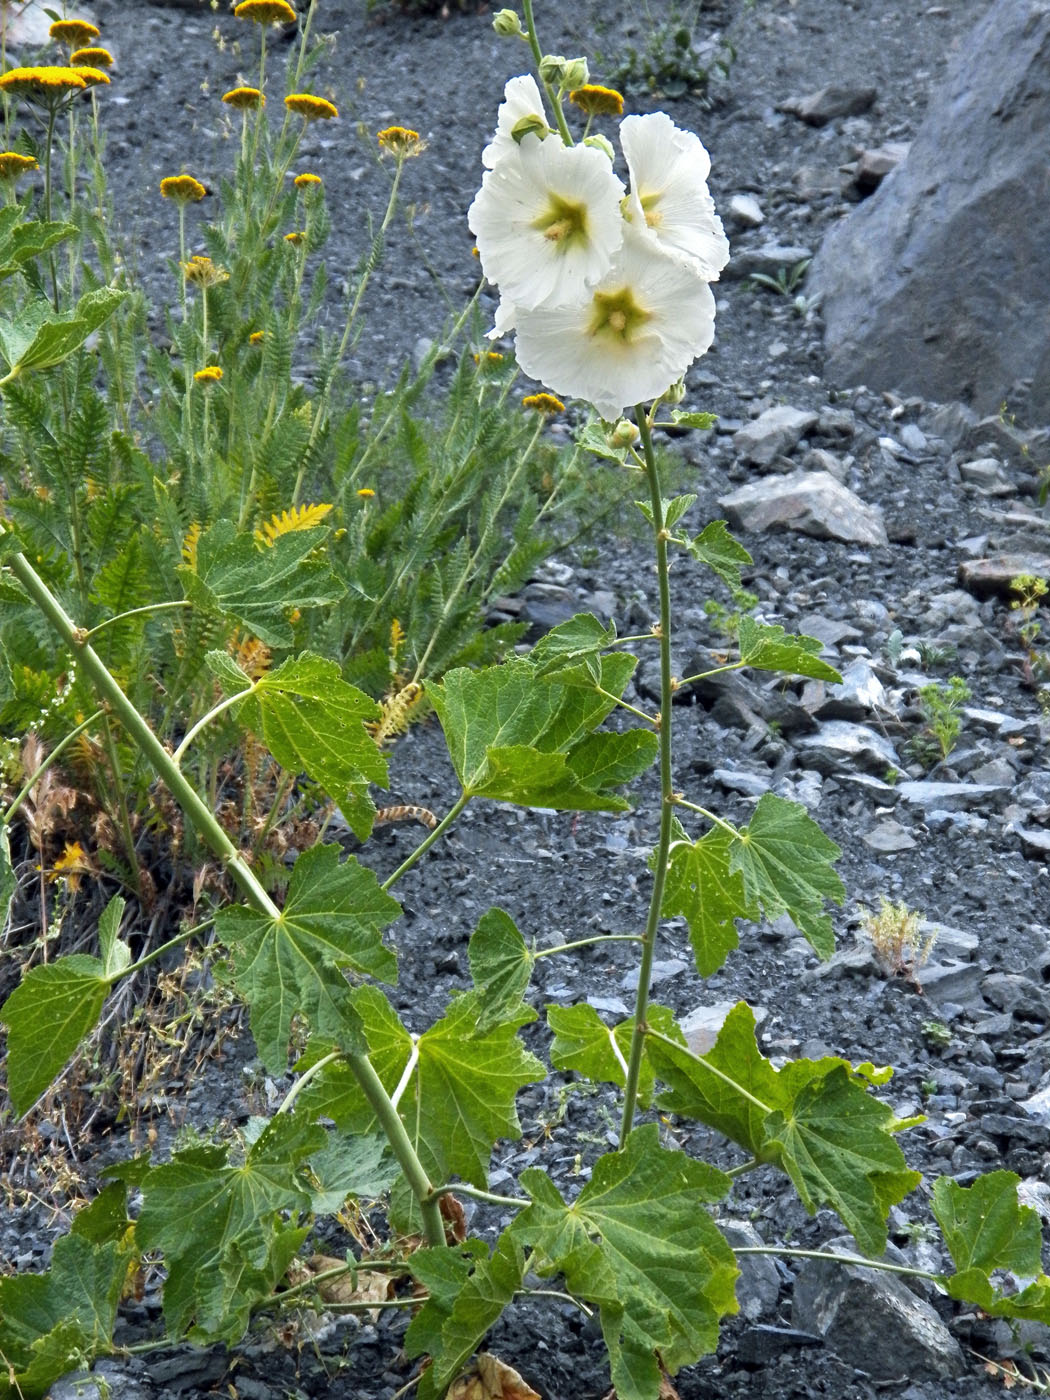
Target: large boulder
[{"x": 938, "y": 283}]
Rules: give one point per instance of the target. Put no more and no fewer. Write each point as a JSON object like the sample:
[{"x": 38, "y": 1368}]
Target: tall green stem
[
  {"x": 663, "y": 845},
  {"x": 203, "y": 820}
]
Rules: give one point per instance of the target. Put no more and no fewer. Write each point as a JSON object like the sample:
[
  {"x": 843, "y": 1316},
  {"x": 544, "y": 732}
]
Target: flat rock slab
[
  {"x": 768, "y": 259},
  {"x": 813, "y": 503},
  {"x": 953, "y": 797},
  {"x": 991, "y": 577},
  {"x": 835, "y": 100},
  {"x": 889, "y": 837},
  {"x": 838, "y": 744}
]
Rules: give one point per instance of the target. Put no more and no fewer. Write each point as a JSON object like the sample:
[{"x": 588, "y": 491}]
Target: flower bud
[
  {"x": 601, "y": 143},
  {"x": 507, "y": 24},
  {"x": 624, "y": 434},
  {"x": 531, "y": 125},
  {"x": 564, "y": 72},
  {"x": 675, "y": 394}
]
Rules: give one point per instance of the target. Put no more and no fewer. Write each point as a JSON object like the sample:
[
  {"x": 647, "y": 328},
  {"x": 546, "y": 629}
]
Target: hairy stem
[{"x": 663, "y": 844}]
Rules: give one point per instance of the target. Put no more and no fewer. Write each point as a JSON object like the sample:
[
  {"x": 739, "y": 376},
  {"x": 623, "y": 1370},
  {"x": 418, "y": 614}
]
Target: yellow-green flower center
[
  {"x": 649, "y": 202},
  {"x": 617, "y": 316},
  {"x": 563, "y": 222}
]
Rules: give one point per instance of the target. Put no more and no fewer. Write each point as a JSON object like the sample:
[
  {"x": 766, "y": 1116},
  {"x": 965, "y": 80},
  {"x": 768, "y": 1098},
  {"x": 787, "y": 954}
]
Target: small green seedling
[{"x": 941, "y": 705}]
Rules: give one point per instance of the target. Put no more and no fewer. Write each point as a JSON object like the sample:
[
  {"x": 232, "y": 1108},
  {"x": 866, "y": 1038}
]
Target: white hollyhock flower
[
  {"x": 547, "y": 222},
  {"x": 521, "y": 102},
  {"x": 669, "y": 200},
  {"x": 633, "y": 336}
]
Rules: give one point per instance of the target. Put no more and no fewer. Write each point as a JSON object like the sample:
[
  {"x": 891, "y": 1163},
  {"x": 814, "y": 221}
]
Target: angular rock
[
  {"x": 838, "y": 745},
  {"x": 741, "y": 704},
  {"x": 773, "y": 434},
  {"x": 768, "y": 259},
  {"x": 745, "y": 211},
  {"x": 888, "y": 837},
  {"x": 955, "y": 943},
  {"x": 811, "y": 502},
  {"x": 757, "y": 1347},
  {"x": 873, "y": 1320},
  {"x": 919, "y": 287},
  {"x": 859, "y": 693},
  {"x": 952, "y": 981},
  {"x": 835, "y": 100},
  {"x": 991, "y": 578},
  {"x": 1035, "y": 842},
  {"x": 874, "y": 164},
  {"x": 1010, "y": 991}
]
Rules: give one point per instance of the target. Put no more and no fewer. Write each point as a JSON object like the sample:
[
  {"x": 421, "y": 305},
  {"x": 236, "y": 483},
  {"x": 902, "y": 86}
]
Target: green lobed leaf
[
  {"x": 21, "y": 240},
  {"x": 834, "y": 1141},
  {"x": 42, "y": 337},
  {"x": 985, "y": 1228},
  {"x": 115, "y": 955},
  {"x": 357, "y": 1165},
  {"x": 581, "y": 639},
  {"x": 813, "y": 1118},
  {"x": 637, "y": 1243},
  {"x": 458, "y": 1321},
  {"x": 716, "y": 547},
  {"x": 333, "y": 918},
  {"x": 672, "y": 510},
  {"x": 786, "y": 864},
  {"x": 443, "y": 1271},
  {"x": 105, "y": 1220},
  {"x": 584, "y": 1043},
  {"x": 500, "y": 966},
  {"x": 232, "y": 677},
  {"x": 702, "y": 887},
  {"x": 459, "y": 1100},
  {"x": 53, "y": 1322},
  {"x": 311, "y": 720},
  {"x": 259, "y": 586},
  {"x": 222, "y": 1227},
  {"x": 47, "y": 1016},
  {"x": 592, "y": 438},
  {"x": 514, "y": 740},
  {"x": 770, "y": 648}
]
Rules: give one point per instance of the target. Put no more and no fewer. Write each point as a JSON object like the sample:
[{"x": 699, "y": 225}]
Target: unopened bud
[
  {"x": 675, "y": 394},
  {"x": 507, "y": 24},
  {"x": 562, "y": 72},
  {"x": 532, "y": 125},
  {"x": 601, "y": 143},
  {"x": 624, "y": 434}
]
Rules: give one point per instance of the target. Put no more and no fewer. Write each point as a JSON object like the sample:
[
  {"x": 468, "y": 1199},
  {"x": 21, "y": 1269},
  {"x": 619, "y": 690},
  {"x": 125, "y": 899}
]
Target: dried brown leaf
[
  {"x": 490, "y": 1379},
  {"x": 370, "y": 1287},
  {"x": 455, "y": 1218}
]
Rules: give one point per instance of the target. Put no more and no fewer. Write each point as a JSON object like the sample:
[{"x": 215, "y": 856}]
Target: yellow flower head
[
  {"x": 95, "y": 56},
  {"x": 93, "y": 77},
  {"x": 401, "y": 141},
  {"x": 306, "y": 179},
  {"x": 265, "y": 11},
  {"x": 544, "y": 403},
  {"x": 296, "y": 238},
  {"x": 184, "y": 189},
  {"x": 71, "y": 864},
  {"x": 202, "y": 272},
  {"x": 366, "y": 493},
  {"x": 12, "y": 165},
  {"x": 244, "y": 98},
  {"x": 598, "y": 101},
  {"x": 256, "y": 337},
  {"x": 74, "y": 32},
  {"x": 310, "y": 108},
  {"x": 44, "y": 83},
  {"x": 210, "y": 374},
  {"x": 488, "y": 361}
]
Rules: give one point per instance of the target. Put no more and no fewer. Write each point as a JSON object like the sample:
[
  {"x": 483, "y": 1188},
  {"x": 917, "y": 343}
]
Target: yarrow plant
[{"x": 605, "y": 283}]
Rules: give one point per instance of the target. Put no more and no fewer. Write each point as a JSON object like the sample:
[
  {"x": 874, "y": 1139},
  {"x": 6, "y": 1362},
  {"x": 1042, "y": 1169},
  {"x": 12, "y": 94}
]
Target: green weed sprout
[{"x": 941, "y": 705}]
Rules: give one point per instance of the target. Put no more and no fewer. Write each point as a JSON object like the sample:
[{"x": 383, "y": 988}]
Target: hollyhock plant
[
  {"x": 669, "y": 199},
  {"x": 547, "y": 222},
  {"x": 632, "y": 336}
]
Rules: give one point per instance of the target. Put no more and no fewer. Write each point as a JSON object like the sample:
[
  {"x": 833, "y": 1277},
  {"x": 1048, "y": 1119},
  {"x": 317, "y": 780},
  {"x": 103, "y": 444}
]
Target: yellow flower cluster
[
  {"x": 202, "y": 272},
  {"x": 306, "y": 179},
  {"x": 74, "y": 32},
  {"x": 43, "y": 82},
  {"x": 12, "y": 164},
  {"x": 309, "y": 107},
  {"x": 244, "y": 98},
  {"x": 401, "y": 141},
  {"x": 543, "y": 403},
  {"x": 184, "y": 189},
  {"x": 210, "y": 374},
  {"x": 93, "y": 77},
  {"x": 96, "y": 56},
  {"x": 265, "y": 11},
  {"x": 598, "y": 101}
]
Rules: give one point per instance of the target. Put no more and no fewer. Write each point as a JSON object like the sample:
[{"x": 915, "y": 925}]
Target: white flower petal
[
  {"x": 547, "y": 221},
  {"x": 669, "y": 202},
  {"x": 576, "y": 352},
  {"x": 521, "y": 99}
]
